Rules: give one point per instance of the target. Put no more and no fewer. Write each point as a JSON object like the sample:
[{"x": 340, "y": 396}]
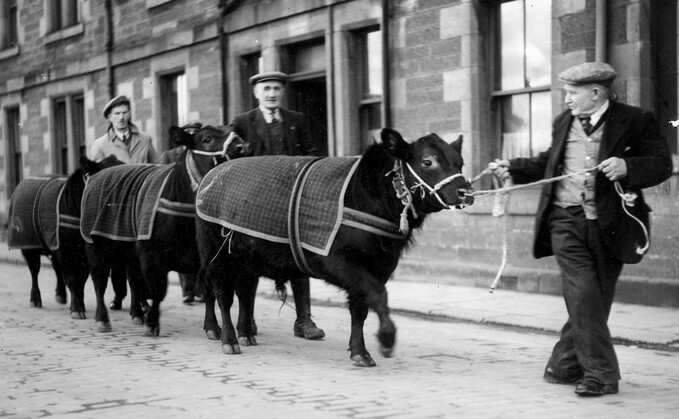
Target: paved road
[{"x": 55, "y": 366}]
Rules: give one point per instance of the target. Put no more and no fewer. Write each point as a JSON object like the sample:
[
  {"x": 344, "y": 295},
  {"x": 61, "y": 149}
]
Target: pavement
[{"x": 630, "y": 324}]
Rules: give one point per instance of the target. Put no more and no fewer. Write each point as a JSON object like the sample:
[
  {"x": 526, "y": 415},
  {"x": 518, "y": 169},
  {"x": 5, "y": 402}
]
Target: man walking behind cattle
[
  {"x": 605, "y": 151},
  {"x": 130, "y": 145},
  {"x": 272, "y": 130}
]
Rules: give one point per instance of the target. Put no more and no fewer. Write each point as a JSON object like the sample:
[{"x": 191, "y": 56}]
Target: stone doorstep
[{"x": 630, "y": 289}]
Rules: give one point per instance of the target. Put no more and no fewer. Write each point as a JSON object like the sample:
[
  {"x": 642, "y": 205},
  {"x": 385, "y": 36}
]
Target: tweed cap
[
  {"x": 586, "y": 73},
  {"x": 116, "y": 101},
  {"x": 269, "y": 76}
]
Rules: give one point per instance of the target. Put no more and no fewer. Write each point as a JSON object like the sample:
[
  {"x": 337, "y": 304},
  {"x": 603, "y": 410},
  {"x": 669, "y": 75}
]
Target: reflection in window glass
[
  {"x": 374, "y": 63},
  {"x": 512, "y": 49},
  {"x": 515, "y": 132},
  {"x": 541, "y": 122},
  {"x": 538, "y": 42}
]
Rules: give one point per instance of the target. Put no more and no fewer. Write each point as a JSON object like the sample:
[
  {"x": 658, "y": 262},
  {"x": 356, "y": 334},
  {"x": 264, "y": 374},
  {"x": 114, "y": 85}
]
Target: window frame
[
  {"x": 498, "y": 94},
  {"x": 68, "y": 131}
]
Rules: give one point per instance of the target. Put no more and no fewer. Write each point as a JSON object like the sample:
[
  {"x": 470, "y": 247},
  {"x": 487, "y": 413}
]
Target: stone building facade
[{"x": 480, "y": 68}]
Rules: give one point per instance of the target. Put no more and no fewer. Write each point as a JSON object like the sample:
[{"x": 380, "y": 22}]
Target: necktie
[
  {"x": 274, "y": 119},
  {"x": 586, "y": 125}
]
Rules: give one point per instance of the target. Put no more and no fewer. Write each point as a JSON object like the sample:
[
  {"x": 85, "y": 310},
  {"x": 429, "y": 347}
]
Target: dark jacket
[
  {"x": 631, "y": 134},
  {"x": 252, "y": 127}
]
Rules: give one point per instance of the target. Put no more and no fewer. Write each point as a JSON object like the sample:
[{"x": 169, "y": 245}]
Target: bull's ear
[
  {"x": 457, "y": 144},
  {"x": 396, "y": 145},
  {"x": 86, "y": 164},
  {"x": 179, "y": 136}
]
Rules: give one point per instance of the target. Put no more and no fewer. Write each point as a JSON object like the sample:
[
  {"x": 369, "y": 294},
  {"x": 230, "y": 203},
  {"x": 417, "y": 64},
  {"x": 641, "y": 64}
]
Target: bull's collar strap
[{"x": 404, "y": 193}]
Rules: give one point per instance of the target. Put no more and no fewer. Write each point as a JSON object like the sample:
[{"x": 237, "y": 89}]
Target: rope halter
[
  {"x": 404, "y": 193},
  {"x": 432, "y": 190},
  {"x": 222, "y": 152}
]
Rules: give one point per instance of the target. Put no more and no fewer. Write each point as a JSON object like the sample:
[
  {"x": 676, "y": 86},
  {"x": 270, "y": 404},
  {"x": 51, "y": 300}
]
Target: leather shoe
[
  {"x": 306, "y": 328},
  {"x": 551, "y": 377},
  {"x": 116, "y": 304},
  {"x": 591, "y": 388}
]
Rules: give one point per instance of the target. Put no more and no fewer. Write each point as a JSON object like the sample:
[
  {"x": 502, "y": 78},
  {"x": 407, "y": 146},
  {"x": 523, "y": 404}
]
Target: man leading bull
[
  {"x": 606, "y": 151},
  {"x": 272, "y": 130}
]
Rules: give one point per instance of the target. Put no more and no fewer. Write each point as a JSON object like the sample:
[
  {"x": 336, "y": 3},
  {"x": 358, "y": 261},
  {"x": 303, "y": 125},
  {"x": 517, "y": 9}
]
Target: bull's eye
[{"x": 427, "y": 162}]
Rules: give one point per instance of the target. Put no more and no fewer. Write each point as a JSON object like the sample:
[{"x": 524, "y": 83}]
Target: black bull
[
  {"x": 43, "y": 220},
  {"x": 392, "y": 188},
  {"x": 142, "y": 217}
]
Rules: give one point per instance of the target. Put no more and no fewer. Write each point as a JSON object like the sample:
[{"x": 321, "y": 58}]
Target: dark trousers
[{"x": 589, "y": 274}]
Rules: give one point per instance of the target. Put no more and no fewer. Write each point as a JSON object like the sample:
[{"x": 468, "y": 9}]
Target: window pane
[
  {"x": 182, "y": 100},
  {"x": 515, "y": 133},
  {"x": 373, "y": 59},
  {"x": 308, "y": 58},
  {"x": 541, "y": 122},
  {"x": 512, "y": 48},
  {"x": 60, "y": 135},
  {"x": 78, "y": 121},
  {"x": 538, "y": 42}
]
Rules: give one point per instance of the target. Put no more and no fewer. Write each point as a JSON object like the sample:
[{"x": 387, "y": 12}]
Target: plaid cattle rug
[
  {"x": 34, "y": 213},
  {"x": 120, "y": 202},
  {"x": 253, "y": 196}
]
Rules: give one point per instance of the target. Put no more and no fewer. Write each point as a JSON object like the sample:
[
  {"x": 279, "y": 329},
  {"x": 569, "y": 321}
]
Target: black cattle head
[
  {"x": 216, "y": 142},
  {"x": 90, "y": 167},
  {"x": 432, "y": 170}
]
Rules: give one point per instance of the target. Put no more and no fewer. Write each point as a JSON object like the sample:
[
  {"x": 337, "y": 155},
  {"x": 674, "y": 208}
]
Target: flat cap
[
  {"x": 599, "y": 73},
  {"x": 269, "y": 76},
  {"x": 116, "y": 101}
]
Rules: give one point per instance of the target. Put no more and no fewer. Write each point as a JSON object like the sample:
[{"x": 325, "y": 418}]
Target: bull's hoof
[
  {"x": 78, "y": 315},
  {"x": 231, "y": 349},
  {"x": 138, "y": 321},
  {"x": 247, "y": 341},
  {"x": 103, "y": 327},
  {"x": 61, "y": 299},
  {"x": 213, "y": 334},
  {"x": 387, "y": 352},
  {"x": 364, "y": 360},
  {"x": 116, "y": 304},
  {"x": 36, "y": 304},
  {"x": 152, "y": 332}
]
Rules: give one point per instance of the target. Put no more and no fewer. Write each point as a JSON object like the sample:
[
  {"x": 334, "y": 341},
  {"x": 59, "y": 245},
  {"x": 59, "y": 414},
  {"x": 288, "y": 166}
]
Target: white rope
[{"x": 627, "y": 200}]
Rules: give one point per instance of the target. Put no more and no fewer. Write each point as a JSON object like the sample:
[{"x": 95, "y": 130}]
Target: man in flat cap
[
  {"x": 272, "y": 130},
  {"x": 125, "y": 141},
  {"x": 605, "y": 149}
]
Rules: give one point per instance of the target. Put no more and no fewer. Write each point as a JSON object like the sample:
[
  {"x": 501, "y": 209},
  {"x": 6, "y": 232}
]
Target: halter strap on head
[
  {"x": 433, "y": 190},
  {"x": 222, "y": 152}
]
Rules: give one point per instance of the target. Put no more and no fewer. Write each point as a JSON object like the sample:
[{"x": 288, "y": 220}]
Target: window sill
[
  {"x": 9, "y": 52},
  {"x": 69, "y": 32},
  {"x": 154, "y": 3}
]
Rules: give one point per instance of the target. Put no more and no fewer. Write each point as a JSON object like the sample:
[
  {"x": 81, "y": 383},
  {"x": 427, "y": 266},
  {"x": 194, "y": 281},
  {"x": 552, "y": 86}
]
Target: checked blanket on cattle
[
  {"x": 253, "y": 196},
  {"x": 34, "y": 213},
  {"x": 120, "y": 202}
]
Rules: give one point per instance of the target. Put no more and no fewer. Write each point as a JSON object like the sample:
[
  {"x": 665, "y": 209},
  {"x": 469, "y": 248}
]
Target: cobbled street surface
[{"x": 52, "y": 365}]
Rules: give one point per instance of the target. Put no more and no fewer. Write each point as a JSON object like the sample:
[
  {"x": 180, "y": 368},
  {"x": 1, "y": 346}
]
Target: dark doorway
[{"x": 309, "y": 97}]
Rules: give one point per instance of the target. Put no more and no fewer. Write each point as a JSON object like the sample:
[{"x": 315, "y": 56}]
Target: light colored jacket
[{"x": 141, "y": 148}]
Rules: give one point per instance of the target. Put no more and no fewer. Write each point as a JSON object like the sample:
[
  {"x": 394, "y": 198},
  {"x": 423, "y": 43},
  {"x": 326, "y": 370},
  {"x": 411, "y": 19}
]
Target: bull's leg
[
  {"x": 224, "y": 292},
  {"x": 138, "y": 295},
  {"x": 119, "y": 283},
  {"x": 246, "y": 291},
  {"x": 210, "y": 324},
  {"x": 32, "y": 258},
  {"x": 60, "y": 291},
  {"x": 358, "y": 352},
  {"x": 75, "y": 272},
  {"x": 100, "y": 266}
]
